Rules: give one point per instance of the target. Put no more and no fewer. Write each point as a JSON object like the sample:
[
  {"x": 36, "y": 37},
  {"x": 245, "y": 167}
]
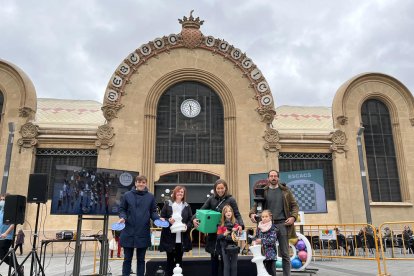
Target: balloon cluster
[
  {"x": 301, "y": 256},
  {"x": 302, "y": 253}
]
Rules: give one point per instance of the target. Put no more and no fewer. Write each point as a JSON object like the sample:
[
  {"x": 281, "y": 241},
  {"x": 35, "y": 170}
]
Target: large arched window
[
  {"x": 190, "y": 125},
  {"x": 1, "y": 104},
  {"x": 380, "y": 152}
]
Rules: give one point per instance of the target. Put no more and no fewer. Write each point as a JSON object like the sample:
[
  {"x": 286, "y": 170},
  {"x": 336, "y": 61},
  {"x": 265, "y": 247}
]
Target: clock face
[{"x": 190, "y": 108}]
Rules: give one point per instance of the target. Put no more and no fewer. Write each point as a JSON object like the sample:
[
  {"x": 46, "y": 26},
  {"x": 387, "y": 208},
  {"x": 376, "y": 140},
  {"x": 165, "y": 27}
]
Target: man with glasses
[{"x": 281, "y": 202}]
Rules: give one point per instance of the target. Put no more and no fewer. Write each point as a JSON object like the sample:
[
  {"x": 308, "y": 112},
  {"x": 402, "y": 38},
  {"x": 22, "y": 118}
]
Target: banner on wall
[{"x": 307, "y": 186}]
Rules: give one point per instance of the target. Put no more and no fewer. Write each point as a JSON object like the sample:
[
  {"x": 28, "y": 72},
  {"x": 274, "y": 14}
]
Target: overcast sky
[{"x": 305, "y": 48}]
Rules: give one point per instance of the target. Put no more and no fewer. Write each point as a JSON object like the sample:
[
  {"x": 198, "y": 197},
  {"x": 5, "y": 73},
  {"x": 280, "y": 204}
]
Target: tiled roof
[
  {"x": 303, "y": 119},
  {"x": 58, "y": 113}
]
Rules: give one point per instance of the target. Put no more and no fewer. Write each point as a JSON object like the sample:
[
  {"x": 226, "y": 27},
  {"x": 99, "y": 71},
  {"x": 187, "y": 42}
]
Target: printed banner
[{"x": 307, "y": 186}]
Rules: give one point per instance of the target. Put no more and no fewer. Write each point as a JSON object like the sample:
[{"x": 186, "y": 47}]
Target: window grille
[
  {"x": 196, "y": 140},
  {"x": 382, "y": 168}
]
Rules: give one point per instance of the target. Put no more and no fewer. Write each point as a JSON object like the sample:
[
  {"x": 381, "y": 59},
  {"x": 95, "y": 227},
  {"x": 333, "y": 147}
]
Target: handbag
[
  {"x": 232, "y": 249},
  {"x": 112, "y": 244}
]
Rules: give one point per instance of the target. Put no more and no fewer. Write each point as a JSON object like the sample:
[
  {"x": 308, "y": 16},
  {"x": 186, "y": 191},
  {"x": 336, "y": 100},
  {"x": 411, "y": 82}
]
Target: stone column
[
  {"x": 148, "y": 155},
  {"x": 230, "y": 154}
]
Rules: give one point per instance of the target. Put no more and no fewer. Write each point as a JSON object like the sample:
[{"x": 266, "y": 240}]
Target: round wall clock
[{"x": 190, "y": 108}]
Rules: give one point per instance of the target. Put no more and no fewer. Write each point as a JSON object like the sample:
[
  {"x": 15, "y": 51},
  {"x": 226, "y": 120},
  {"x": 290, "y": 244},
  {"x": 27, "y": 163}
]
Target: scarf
[{"x": 264, "y": 227}]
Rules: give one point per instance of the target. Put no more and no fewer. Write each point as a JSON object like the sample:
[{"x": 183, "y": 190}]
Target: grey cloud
[{"x": 305, "y": 49}]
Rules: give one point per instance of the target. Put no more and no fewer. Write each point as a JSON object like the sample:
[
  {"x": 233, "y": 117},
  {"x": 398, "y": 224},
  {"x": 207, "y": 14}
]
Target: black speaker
[
  {"x": 14, "y": 209},
  {"x": 37, "y": 191}
]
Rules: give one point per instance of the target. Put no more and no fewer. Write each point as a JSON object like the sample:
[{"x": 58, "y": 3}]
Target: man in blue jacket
[{"x": 137, "y": 208}]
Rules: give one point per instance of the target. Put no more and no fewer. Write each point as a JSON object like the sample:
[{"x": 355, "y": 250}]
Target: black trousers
[
  {"x": 4, "y": 249},
  {"x": 270, "y": 266},
  {"x": 216, "y": 265},
  {"x": 173, "y": 258},
  {"x": 20, "y": 246}
]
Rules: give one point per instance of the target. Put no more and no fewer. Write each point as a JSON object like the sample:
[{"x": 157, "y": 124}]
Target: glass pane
[
  {"x": 384, "y": 190},
  {"x": 389, "y": 145},
  {"x": 369, "y": 145},
  {"x": 386, "y": 124},
  {"x": 372, "y": 167},
  {"x": 392, "y": 167},
  {"x": 395, "y": 190},
  {"x": 374, "y": 189},
  {"x": 375, "y": 124},
  {"x": 381, "y": 167}
]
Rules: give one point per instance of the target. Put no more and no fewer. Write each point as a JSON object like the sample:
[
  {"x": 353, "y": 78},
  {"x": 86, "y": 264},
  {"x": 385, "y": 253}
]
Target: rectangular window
[{"x": 310, "y": 161}]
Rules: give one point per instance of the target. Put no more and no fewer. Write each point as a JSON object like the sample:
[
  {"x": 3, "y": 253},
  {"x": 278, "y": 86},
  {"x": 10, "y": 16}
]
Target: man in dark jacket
[
  {"x": 136, "y": 209},
  {"x": 281, "y": 202}
]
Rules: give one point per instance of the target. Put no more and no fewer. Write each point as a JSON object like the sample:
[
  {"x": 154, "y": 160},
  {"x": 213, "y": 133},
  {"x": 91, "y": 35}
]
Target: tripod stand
[
  {"x": 33, "y": 253},
  {"x": 11, "y": 254}
]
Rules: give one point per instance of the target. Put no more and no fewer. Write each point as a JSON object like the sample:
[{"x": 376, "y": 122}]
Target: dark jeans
[
  {"x": 229, "y": 263},
  {"x": 270, "y": 266},
  {"x": 216, "y": 263},
  {"x": 284, "y": 248},
  {"x": 128, "y": 254},
  {"x": 173, "y": 258}
]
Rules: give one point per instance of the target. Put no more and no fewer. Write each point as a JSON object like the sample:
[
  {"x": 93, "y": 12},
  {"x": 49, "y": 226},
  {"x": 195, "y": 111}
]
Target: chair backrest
[
  {"x": 341, "y": 240},
  {"x": 370, "y": 241},
  {"x": 358, "y": 240}
]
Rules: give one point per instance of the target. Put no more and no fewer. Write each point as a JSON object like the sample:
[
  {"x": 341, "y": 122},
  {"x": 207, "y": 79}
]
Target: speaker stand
[
  {"x": 35, "y": 260},
  {"x": 12, "y": 254}
]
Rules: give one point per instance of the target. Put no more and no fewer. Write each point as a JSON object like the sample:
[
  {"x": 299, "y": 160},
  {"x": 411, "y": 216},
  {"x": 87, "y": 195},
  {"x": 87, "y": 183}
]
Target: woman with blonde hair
[{"x": 176, "y": 241}]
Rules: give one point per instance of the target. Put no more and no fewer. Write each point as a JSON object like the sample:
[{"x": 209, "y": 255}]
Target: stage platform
[{"x": 202, "y": 266}]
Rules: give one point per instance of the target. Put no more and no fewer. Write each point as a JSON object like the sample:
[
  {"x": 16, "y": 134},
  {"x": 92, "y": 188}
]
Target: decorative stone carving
[
  {"x": 342, "y": 120},
  {"x": 110, "y": 111},
  {"x": 105, "y": 134},
  {"x": 272, "y": 141},
  {"x": 190, "y": 34},
  {"x": 26, "y": 112},
  {"x": 339, "y": 139},
  {"x": 190, "y": 37},
  {"x": 29, "y": 132},
  {"x": 268, "y": 113}
]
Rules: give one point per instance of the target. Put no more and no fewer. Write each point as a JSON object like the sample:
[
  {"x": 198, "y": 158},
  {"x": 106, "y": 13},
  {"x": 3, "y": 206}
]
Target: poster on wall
[{"x": 307, "y": 186}]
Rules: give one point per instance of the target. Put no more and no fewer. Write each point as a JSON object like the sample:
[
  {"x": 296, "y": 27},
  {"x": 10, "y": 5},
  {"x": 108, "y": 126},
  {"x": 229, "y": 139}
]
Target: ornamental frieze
[
  {"x": 339, "y": 140},
  {"x": 267, "y": 113},
  {"x": 342, "y": 120},
  {"x": 272, "y": 141},
  {"x": 29, "y": 132},
  {"x": 110, "y": 111},
  {"x": 190, "y": 37},
  {"x": 105, "y": 134},
  {"x": 26, "y": 112}
]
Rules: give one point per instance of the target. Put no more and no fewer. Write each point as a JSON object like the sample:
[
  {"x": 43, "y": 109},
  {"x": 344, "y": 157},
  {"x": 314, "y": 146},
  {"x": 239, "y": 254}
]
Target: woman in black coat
[
  {"x": 175, "y": 244},
  {"x": 216, "y": 203}
]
